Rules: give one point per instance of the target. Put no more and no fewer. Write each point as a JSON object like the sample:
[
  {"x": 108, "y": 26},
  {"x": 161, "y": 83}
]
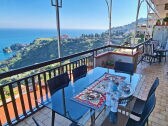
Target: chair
[
  {"x": 150, "y": 56},
  {"x": 56, "y": 83},
  {"x": 149, "y": 106},
  {"x": 124, "y": 67},
  {"x": 79, "y": 72},
  {"x": 140, "y": 104}
]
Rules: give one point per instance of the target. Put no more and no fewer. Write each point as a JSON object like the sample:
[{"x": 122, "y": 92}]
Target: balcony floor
[{"x": 159, "y": 116}]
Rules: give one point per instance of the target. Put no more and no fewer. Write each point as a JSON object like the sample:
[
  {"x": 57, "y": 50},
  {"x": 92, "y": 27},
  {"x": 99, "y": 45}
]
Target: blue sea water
[{"x": 26, "y": 36}]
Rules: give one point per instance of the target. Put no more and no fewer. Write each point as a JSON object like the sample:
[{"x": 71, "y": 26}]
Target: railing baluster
[
  {"x": 5, "y": 106},
  {"x": 70, "y": 70},
  {"x": 62, "y": 69},
  {"x": 13, "y": 101},
  {"x": 40, "y": 88},
  {"x": 54, "y": 72},
  {"x": 34, "y": 91},
  {"x": 59, "y": 72},
  {"x": 45, "y": 82},
  {"x": 76, "y": 63},
  {"x": 84, "y": 62},
  {"x": 73, "y": 65},
  {"x": 21, "y": 98},
  {"x": 80, "y": 62},
  {"x": 28, "y": 94},
  {"x": 49, "y": 74},
  {"x": 0, "y": 123}
]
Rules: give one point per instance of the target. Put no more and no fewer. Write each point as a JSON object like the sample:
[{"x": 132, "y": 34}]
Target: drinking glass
[{"x": 114, "y": 101}]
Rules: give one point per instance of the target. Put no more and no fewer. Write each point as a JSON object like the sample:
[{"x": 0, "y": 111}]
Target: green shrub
[{"x": 165, "y": 19}]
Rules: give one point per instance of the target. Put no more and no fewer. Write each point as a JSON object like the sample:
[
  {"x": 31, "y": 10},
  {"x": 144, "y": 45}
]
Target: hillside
[
  {"x": 129, "y": 27},
  {"x": 45, "y": 49}
]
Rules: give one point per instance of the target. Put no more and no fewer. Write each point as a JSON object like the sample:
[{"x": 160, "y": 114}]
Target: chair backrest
[
  {"x": 153, "y": 88},
  {"x": 124, "y": 67},
  {"x": 79, "y": 72},
  {"x": 149, "y": 106},
  {"x": 58, "y": 82}
]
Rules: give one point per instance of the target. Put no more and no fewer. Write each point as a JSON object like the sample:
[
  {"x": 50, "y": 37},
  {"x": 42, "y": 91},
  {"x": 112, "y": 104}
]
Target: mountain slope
[{"x": 129, "y": 27}]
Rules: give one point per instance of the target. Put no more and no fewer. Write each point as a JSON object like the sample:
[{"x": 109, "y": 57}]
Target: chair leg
[
  {"x": 53, "y": 118},
  {"x": 147, "y": 122},
  {"x": 37, "y": 124},
  {"x": 150, "y": 60}
]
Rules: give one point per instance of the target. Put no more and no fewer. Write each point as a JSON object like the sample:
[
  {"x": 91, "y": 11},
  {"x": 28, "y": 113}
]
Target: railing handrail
[{"x": 42, "y": 64}]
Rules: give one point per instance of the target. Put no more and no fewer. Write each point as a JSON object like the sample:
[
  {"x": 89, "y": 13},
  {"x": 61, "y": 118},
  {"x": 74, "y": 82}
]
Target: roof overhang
[{"x": 160, "y": 7}]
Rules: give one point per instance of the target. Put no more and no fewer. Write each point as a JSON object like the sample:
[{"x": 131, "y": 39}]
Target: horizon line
[{"x": 55, "y": 28}]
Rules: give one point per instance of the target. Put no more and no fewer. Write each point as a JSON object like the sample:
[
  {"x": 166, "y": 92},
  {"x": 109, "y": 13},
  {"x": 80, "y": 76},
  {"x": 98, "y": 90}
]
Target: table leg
[
  {"x": 92, "y": 118},
  {"x": 53, "y": 118},
  {"x": 160, "y": 59}
]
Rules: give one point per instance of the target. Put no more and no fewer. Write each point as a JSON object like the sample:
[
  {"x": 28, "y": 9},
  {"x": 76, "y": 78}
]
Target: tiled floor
[{"x": 159, "y": 116}]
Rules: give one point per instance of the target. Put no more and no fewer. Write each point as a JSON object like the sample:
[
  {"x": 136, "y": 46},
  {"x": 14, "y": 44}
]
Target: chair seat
[
  {"x": 132, "y": 122},
  {"x": 138, "y": 107}
]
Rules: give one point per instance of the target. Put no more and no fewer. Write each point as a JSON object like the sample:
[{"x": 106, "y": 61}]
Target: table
[{"x": 61, "y": 102}]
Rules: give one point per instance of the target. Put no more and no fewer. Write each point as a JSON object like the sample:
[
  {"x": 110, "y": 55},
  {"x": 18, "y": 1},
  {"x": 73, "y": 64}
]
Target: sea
[{"x": 26, "y": 36}]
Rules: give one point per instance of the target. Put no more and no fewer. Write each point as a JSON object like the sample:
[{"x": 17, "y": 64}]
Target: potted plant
[
  {"x": 158, "y": 22},
  {"x": 166, "y": 20},
  {"x": 110, "y": 64}
]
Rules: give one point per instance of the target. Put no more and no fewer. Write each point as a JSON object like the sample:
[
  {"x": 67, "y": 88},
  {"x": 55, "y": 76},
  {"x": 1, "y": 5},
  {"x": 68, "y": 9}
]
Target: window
[{"x": 166, "y": 6}]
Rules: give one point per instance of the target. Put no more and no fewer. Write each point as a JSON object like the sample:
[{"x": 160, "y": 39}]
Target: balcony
[{"x": 18, "y": 106}]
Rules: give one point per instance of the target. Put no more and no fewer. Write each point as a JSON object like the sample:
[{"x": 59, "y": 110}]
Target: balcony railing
[{"x": 21, "y": 99}]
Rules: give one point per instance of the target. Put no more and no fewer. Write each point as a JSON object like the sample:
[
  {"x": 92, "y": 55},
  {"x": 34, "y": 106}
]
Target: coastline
[{"x": 27, "y": 36}]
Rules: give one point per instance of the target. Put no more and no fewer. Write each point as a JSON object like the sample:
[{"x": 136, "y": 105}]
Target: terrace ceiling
[{"x": 160, "y": 7}]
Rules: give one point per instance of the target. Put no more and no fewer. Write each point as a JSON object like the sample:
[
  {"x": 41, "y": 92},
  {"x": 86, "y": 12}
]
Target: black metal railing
[{"x": 24, "y": 92}]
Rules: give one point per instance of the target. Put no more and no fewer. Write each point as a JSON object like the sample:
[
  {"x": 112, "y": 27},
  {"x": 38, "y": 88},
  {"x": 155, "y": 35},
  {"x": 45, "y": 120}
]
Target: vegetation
[{"x": 165, "y": 19}]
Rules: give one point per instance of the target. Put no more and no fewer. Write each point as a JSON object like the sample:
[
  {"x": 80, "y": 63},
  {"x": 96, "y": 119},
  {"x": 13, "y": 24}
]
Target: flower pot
[
  {"x": 158, "y": 24},
  {"x": 109, "y": 66},
  {"x": 167, "y": 23}
]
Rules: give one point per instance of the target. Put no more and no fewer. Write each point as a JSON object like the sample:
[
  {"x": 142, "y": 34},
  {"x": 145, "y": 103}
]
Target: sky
[{"x": 74, "y": 14}]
